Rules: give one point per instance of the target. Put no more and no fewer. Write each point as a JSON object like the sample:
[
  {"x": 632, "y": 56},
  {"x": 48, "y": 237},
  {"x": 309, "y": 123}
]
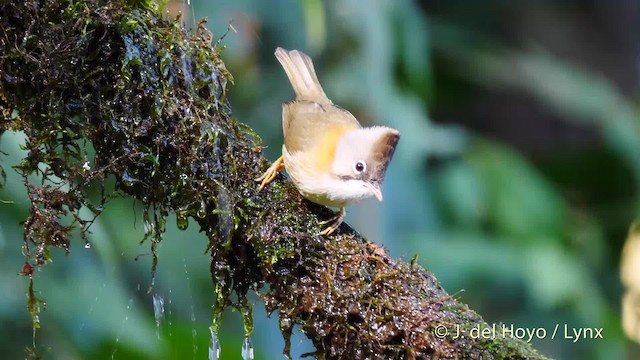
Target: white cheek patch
[{"x": 351, "y": 148}]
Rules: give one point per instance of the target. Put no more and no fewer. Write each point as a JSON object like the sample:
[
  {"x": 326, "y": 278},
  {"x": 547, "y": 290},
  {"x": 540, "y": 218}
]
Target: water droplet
[
  {"x": 247, "y": 349},
  {"x": 122, "y": 326},
  {"x": 202, "y": 212},
  {"x": 158, "y": 311},
  {"x": 87, "y": 245},
  {"x": 127, "y": 179},
  {"x": 225, "y": 214},
  {"x": 214, "y": 346},
  {"x": 186, "y": 70},
  {"x": 194, "y": 335},
  {"x": 182, "y": 221},
  {"x": 148, "y": 227},
  {"x": 194, "y": 332}
]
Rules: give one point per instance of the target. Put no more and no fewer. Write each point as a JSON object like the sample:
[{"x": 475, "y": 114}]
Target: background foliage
[{"x": 515, "y": 180}]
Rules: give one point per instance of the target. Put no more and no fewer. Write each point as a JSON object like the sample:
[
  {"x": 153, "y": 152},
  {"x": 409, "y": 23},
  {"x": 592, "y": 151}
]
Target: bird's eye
[{"x": 360, "y": 167}]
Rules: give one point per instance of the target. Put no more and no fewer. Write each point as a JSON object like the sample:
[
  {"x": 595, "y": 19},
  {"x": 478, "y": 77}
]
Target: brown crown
[{"x": 383, "y": 152}]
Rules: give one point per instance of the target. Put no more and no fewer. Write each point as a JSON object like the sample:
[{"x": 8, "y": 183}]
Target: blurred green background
[{"x": 514, "y": 182}]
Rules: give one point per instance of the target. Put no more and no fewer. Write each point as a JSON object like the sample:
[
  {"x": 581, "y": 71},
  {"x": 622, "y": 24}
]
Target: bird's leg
[
  {"x": 271, "y": 173},
  {"x": 334, "y": 222}
]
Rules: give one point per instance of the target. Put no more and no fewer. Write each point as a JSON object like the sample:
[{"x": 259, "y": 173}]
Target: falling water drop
[
  {"x": 247, "y": 349},
  {"x": 202, "y": 211},
  {"x": 169, "y": 313},
  {"x": 127, "y": 180},
  {"x": 194, "y": 332},
  {"x": 87, "y": 245},
  {"x": 148, "y": 227},
  {"x": 182, "y": 221},
  {"x": 214, "y": 346},
  {"x": 225, "y": 214},
  {"x": 122, "y": 326},
  {"x": 158, "y": 311},
  {"x": 186, "y": 70}
]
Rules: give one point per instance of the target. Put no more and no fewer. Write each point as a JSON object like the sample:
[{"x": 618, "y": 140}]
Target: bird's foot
[
  {"x": 334, "y": 223},
  {"x": 271, "y": 173}
]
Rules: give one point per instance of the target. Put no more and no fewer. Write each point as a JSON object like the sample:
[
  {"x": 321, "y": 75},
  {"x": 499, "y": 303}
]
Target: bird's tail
[{"x": 302, "y": 75}]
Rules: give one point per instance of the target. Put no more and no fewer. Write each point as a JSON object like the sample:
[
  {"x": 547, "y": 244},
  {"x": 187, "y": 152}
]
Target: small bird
[
  {"x": 630, "y": 278},
  {"x": 331, "y": 159}
]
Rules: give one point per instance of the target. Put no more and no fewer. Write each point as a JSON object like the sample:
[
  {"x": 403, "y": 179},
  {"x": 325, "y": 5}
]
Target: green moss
[{"x": 149, "y": 96}]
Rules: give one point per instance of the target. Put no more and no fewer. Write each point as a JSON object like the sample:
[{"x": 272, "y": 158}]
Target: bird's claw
[
  {"x": 270, "y": 173},
  {"x": 334, "y": 223}
]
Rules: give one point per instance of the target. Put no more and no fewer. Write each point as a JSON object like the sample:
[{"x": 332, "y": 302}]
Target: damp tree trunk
[{"x": 111, "y": 89}]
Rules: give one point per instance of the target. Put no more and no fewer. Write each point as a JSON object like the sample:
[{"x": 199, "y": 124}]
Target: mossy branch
[{"x": 112, "y": 89}]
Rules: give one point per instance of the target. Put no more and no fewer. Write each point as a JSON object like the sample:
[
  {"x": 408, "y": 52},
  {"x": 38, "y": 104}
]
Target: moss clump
[{"x": 120, "y": 81}]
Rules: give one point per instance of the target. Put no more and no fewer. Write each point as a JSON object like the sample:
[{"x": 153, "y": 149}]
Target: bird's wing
[{"x": 309, "y": 126}]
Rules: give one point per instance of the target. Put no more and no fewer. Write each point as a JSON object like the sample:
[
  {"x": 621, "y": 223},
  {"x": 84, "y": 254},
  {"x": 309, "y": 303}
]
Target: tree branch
[{"x": 116, "y": 79}]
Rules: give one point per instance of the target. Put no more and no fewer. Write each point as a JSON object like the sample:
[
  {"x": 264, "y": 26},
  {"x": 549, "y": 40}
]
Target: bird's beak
[{"x": 375, "y": 189}]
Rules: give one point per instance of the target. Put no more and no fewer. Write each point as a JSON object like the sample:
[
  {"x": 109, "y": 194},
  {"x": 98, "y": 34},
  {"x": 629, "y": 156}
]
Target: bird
[{"x": 331, "y": 159}]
